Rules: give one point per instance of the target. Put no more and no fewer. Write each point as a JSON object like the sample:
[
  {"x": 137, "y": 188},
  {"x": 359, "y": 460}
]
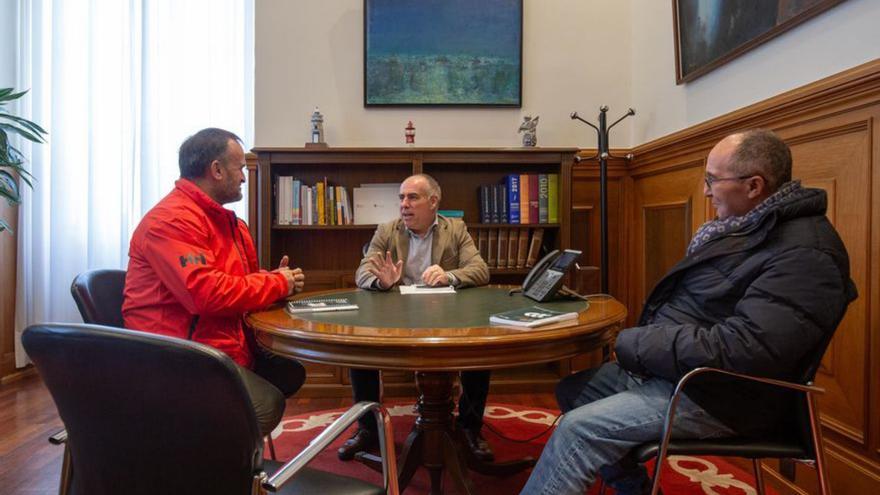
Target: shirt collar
[{"x": 430, "y": 230}]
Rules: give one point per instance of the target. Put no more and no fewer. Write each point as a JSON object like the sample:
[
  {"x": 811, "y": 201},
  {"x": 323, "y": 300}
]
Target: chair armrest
[
  {"x": 58, "y": 438},
  {"x": 326, "y": 437},
  {"x": 770, "y": 381},
  {"x": 679, "y": 388}
]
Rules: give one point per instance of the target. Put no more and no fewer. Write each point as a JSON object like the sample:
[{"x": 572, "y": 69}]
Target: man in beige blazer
[{"x": 422, "y": 247}]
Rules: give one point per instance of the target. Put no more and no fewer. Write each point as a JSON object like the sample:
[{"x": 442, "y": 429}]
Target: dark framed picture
[
  {"x": 709, "y": 34},
  {"x": 443, "y": 53}
]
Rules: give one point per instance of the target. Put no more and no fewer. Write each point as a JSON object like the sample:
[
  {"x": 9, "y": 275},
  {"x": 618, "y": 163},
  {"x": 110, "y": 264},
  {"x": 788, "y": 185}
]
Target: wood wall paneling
[
  {"x": 834, "y": 154},
  {"x": 667, "y": 232},
  {"x": 8, "y": 254}
]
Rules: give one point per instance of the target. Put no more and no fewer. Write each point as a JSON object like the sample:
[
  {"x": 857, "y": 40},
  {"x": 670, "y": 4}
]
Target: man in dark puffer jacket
[{"x": 759, "y": 291}]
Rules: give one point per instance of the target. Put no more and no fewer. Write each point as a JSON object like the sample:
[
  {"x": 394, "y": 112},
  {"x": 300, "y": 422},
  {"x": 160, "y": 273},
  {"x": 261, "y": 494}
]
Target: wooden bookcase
[{"x": 329, "y": 255}]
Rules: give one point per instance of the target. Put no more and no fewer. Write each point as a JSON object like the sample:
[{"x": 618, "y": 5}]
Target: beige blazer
[{"x": 452, "y": 248}]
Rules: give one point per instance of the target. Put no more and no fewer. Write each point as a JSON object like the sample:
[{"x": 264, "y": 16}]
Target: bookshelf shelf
[
  {"x": 370, "y": 227},
  {"x": 472, "y": 226},
  {"x": 509, "y": 271}
]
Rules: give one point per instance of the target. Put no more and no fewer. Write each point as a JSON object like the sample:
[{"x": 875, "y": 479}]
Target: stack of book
[
  {"x": 514, "y": 247},
  {"x": 532, "y": 316},
  {"x": 297, "y": 203},
  {"x": 319, "y": 305},
  {"x": 521, "y": 199}
]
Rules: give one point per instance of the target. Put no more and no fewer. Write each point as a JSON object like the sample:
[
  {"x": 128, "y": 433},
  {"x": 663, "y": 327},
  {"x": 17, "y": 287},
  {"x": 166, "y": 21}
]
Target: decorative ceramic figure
[
  {"x": 317, "y": 127},
  {"x": 529, "y": 128},
  {"x": 410, "y": 133}
]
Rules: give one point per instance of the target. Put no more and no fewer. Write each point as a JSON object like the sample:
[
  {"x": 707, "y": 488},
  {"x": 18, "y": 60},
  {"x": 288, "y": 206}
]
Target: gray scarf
[{"x": 719, "y": 228}]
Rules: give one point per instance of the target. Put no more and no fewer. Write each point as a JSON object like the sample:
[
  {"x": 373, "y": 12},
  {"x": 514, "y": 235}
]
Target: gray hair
[
  {"x": 762, "y": 152},
  {"x": 433, "y": 185}
]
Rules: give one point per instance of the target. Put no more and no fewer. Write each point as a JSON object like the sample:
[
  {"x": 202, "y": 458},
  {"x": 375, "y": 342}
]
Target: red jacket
[{"x": 193, "y": 273}]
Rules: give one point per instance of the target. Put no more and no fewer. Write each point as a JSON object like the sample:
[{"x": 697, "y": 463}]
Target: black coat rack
[{"x": 602, "y": 155}]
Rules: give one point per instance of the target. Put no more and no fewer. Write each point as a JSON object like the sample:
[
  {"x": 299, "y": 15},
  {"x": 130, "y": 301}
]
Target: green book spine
[
  {"x": 553, "y": 198},
  {"x": 543, "y": 196}
]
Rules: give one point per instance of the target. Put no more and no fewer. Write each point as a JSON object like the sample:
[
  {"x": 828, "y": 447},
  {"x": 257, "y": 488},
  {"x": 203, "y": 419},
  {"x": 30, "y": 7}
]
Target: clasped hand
[{"x": 295, "y": 276}]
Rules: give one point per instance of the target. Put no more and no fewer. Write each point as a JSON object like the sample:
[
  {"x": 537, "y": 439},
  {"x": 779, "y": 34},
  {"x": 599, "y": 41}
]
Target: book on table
[
  {"x": 319, "y": 304},
  {"x": 532, "y": 316}
]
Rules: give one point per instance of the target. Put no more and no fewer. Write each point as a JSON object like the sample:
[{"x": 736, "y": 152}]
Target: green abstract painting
[{"x": 443, "y": 52}]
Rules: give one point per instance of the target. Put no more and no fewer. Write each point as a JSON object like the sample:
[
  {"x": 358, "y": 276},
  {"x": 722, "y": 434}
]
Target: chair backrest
[
  {"x": 98, "y": 296},
  {"x": 145, "y": 413},
  {"x": 809, "y": 366}
]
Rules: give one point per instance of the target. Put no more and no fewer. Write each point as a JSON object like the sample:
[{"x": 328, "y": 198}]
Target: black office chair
[
  {"x": 149, "y": 414},
  {"x": 98, "y": 296},
  {"x": 799, "y": 438}
]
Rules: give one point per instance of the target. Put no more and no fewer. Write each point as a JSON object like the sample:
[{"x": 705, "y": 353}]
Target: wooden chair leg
[{"x": 759, "y": 476}]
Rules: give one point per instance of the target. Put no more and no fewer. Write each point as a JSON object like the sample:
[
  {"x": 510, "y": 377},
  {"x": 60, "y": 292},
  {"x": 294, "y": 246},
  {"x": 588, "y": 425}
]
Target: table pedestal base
[{"x": 435, "y": 443}]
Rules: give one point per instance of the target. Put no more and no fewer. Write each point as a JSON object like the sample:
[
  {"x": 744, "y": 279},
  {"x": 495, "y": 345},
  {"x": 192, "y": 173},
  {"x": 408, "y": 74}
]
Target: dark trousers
[
  {"x": 273, "y": 379},
  {"x": 474, "y": 390}
]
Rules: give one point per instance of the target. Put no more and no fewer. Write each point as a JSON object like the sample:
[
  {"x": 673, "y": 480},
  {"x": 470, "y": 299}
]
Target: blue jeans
[{"x": 608, "y": 412}]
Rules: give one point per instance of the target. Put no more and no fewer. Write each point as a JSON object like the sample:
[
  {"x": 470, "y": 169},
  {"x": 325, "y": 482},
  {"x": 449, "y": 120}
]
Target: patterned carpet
[{"x": 681, "y": 475}]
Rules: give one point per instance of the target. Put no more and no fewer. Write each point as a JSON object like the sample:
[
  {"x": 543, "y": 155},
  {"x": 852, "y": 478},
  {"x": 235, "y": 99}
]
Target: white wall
[
  {"x": 576, "y": 56},
  {"x": 836, "y": 40}
]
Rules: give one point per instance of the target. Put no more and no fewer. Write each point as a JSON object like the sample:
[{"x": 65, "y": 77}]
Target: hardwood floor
[{"x": 30, "y": 465}]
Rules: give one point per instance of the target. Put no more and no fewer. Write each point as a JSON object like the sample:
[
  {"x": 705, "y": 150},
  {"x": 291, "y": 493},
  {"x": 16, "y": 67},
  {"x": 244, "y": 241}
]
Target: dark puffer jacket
[{"x": 760, "y": 301}]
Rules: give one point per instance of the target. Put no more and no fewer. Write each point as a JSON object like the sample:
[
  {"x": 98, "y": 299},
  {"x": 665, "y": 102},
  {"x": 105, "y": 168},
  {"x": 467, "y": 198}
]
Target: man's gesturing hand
[{"x": 386, "y": 271}]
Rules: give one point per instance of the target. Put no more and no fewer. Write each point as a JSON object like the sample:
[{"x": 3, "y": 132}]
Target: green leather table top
[{"x": 469, "y": 307}]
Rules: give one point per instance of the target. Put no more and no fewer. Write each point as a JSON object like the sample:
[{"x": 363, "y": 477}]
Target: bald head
[{"x": 760, "y": 152}]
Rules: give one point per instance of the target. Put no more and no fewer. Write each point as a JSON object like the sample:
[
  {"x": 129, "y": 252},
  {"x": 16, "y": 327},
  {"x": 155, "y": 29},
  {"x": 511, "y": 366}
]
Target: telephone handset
[{"x": 545, "y": 279}]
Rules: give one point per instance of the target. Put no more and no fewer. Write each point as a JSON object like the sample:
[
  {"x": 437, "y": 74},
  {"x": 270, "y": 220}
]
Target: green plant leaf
[
  {"x": 21, "y": 132},
  {"x": 36, "y": 129},
  {"x": 11, "y": 158},
  {"x": 9, "y": 188},
  {"x": 9, "y": 94}
]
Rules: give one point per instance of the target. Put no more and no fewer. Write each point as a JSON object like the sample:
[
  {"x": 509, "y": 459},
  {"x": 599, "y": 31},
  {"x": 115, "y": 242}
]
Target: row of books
[
  {"x": 297, "y": 203},
  {"x": 522, "y": 199},
  {"x": 510, "y": 247}
]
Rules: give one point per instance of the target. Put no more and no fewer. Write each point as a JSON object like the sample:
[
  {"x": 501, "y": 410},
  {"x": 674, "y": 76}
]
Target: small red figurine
[{"x": 410, "y": 133}]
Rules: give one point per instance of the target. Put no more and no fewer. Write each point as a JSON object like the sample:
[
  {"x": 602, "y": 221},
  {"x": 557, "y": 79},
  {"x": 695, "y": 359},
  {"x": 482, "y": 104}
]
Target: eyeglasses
[{"x": 710, "y": 180}]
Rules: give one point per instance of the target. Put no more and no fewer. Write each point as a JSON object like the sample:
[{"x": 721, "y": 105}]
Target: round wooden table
[{"x": 436, "y": 336}]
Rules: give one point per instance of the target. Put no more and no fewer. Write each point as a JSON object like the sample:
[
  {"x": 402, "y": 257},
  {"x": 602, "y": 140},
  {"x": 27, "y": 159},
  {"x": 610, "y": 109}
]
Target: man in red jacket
[{"x": 193, "y": 272}]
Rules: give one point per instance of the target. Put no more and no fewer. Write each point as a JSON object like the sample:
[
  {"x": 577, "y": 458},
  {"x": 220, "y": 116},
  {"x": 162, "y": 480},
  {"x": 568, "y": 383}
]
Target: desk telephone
[{"x": 545, "y": 279}]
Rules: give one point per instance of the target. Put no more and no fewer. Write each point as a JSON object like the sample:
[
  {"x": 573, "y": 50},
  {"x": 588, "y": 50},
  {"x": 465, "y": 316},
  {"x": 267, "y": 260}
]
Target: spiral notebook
[{"x": 319, "y": 304}]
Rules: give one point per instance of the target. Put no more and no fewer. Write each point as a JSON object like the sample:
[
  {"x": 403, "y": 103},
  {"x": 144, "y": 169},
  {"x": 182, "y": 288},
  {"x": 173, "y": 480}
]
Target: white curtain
[{"x": 118, "y": 84}]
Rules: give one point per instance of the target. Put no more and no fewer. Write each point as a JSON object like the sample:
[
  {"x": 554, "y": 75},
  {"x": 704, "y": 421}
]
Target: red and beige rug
[{"x": 682, "y": 475}]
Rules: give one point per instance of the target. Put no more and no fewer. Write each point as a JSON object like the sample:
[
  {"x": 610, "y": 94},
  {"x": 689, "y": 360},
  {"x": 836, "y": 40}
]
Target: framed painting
[
  {"x": 710, "y": 33},
  {"x": 443, "y": 53}
]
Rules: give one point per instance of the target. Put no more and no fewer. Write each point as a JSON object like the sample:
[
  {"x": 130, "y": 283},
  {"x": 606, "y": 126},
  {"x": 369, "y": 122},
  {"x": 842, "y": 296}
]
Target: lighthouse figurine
[{"x": 410, "y": 133}]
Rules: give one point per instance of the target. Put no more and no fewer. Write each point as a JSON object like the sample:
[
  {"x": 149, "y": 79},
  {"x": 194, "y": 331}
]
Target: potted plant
[{"x": 11, "y": 160}]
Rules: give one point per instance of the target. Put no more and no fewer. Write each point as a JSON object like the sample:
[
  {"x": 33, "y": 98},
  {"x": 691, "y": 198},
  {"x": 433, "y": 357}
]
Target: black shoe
[
  {"x": 360, "y": 441},
  {"x": 478, "y": 445}
]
